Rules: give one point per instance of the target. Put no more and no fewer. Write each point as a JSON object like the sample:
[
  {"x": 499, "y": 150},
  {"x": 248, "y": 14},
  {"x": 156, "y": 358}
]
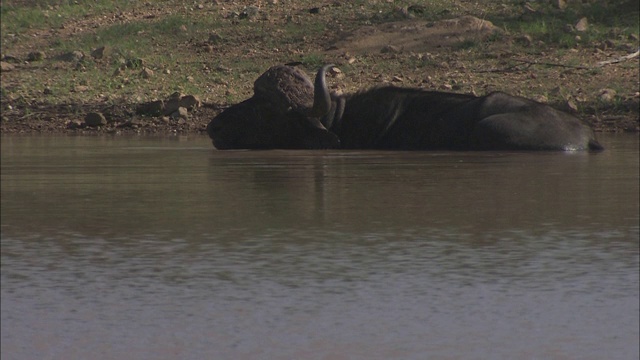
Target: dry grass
[{"x": 217, "y": 49}]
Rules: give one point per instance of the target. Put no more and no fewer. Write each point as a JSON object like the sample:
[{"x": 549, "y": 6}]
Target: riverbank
[{"x": 71, "y": 69}]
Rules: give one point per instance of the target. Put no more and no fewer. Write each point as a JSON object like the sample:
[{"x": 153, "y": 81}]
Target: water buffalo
[{"x": 287, "y": 111}]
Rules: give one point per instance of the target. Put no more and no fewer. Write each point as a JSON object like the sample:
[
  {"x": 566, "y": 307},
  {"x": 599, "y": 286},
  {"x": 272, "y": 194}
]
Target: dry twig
[{"x": 530, "y": 63}]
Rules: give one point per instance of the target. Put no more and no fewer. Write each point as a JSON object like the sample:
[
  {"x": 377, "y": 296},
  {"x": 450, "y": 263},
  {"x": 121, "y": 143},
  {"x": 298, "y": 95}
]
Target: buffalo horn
[{"x": 321, "y": 97}]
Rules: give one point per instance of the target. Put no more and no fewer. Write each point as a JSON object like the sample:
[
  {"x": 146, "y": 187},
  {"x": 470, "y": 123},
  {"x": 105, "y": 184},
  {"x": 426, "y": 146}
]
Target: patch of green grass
[
  {"x": 555, "y": 27},
  {"x": 135, "y": 36},
  {"x": 18, "y": 16},
  {"x": 313, "y": 61}
]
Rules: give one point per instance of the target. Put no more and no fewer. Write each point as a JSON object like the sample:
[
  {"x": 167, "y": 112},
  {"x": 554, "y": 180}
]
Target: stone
[
  {"x": 390, "y": 49},
  {"x": 176, "y": 95},
  {"x": 582, "y": 25},
  {"x": 570, "y": 106},
  {"x": 249, "y": 12},
  {"x": 190, "y": 102},
  {"x": 94, "y": 119},
  {"x": 525, "y": 40},
  {"x": 171, "y": 106},
  {"x": 541, "y": 99},
  {"x": 181, "y": 113},
  {"x": 607, "y": 95},
  {"x": 75, "y": 124},
  {"x": 73, "y": 56},
  {"x": 560, "y": 4},
  {"x": 101, "y": 52},
  {"x": 11, "y": 59},
  {"x": 146, "y": 73},
  {"x": 5, "y": 66}
]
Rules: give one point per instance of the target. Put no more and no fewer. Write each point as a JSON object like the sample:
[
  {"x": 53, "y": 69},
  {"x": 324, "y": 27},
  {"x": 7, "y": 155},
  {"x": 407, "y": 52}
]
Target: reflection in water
[{"x": 149, "y": 248}]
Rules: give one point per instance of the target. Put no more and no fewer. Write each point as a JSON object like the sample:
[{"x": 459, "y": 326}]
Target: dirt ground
[{"x": 406, "y": 52}]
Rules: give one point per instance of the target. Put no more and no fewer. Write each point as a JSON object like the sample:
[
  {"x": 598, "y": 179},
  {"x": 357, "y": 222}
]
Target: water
[{"x": 136, "y": 248}]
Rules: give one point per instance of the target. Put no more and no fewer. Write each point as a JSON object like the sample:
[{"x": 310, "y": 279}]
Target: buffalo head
[{"x": 282, "y": 114}]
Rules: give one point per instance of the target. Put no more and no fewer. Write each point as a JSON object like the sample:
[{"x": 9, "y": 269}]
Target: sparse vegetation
[{"x": 217, "y": 49}]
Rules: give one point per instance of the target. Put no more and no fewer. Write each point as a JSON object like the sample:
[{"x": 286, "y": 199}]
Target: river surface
[{"x": 164, "y": 248}]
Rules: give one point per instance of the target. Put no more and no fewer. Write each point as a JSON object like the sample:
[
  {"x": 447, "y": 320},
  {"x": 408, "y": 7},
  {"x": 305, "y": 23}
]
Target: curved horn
[{"x": 321, "y": 97}]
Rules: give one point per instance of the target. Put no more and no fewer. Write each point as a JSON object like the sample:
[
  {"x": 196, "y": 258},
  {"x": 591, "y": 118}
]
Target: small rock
[
  {"x": 249, "y": 12},
  {"x": 94, "y": 119},
  {"x": 446, "y": 87},
  {"x": 390, "y": 49},
  {"x": 101, "y": 52},
  {"x": 570, "y": 106},
  {"x": 582, "y": 25},
  {"x": 607, "y": 95},
  {"x": 176, "y": 95},
  {"x": 541, "y": 99},
  {"x": 131, "y": 123},
  {"x": 181, "y": 113},
  {"x": 146, "y": 73},
  {"x": 403, "y": 12},
  {"x": 336, "y": 73},
  {"x": 525, "y": 40},
  {"x": 560, "y": 4},
  {"x": 35, "y": 56},
  {"x": 73, "y": 56},
  {"x": 75, "y": 124},
  {"x": 80, "y": 88},
  {"x": 5, "y": 66},
  {"x": 190, "y": 102},
  {"x": 223, "y": 69},
  {"x": 11, "y": 59}
]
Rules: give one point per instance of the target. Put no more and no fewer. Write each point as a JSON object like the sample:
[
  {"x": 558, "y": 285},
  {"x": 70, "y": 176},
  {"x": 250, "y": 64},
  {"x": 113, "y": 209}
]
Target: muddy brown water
[{"x": 164, "y": 248}]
